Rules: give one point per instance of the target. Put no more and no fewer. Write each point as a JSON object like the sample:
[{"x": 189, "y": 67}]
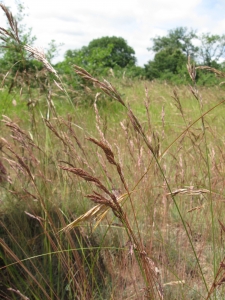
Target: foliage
[
  {"x": 53, "y": 50},
  {"x": 100, "y": 57},
  {"x": 212, "y": 49},
  {"x": 167, "y": 62},
  {"x": 121, "y": 54},
  {"x": 94, "y": 60},
  {"x": 100, "y": 54},
  {"x": 172, "y": 51},
  {"x": 131, "y": 72},
  {"x": 107, "y": 55},
  {"x": 13, "y": 56},
  {"x": 18, "y": 67},
  {"x": 105, "y": 52},
  {"x": 179, "y": 38}
]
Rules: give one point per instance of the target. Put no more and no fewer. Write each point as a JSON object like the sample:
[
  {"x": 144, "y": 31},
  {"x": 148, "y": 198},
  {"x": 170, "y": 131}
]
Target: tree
[
  {"x": 12, "y": 52},
  {"x": 101, "y": 54},
  {"x": 94, "y": 61},
  {"x": 179, "y": 38},
  {"x": 171, "y": 52},
  {"x": 53, "y": 50},
  {"x": 121, "y": 53},
  {"x": 13, "y": 56},
  {"x": 212, "y": 49},
  {"x": 22, "y": 65},
  {"x": 98, "y": 57},
  {"x": 166, "y": 63}
]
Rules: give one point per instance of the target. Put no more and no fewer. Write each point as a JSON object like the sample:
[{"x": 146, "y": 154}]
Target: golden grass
[{"x": 158, "y": 238}]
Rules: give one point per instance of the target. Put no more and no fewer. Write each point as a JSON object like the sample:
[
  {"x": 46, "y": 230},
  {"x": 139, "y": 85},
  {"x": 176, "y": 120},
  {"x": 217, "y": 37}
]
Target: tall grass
[{"x": 122, "y": 199}]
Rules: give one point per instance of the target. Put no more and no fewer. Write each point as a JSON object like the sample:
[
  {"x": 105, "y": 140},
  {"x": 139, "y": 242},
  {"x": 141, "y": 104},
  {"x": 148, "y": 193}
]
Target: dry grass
[
  {"x": 129, "y": 207},
  {"x": 45, "y": 192}
]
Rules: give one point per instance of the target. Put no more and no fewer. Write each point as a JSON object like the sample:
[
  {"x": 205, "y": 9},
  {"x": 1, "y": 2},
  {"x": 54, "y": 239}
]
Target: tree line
[
  {"x": 113, "y": 53},
  {"x": 171, "y": 53}
]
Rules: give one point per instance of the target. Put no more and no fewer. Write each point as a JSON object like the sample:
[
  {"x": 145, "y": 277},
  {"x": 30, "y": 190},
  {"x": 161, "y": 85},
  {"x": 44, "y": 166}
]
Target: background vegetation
[
  {"x": 111, "y": 188},
  {"x": 112, "y": 55}
]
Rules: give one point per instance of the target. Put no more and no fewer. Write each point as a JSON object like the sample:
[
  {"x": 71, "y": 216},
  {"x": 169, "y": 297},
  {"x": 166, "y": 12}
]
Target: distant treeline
[{"x": 113, "y": 55}]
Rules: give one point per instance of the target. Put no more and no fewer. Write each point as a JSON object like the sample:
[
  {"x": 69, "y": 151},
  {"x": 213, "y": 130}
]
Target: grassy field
[{"x": 148, "y": 156}]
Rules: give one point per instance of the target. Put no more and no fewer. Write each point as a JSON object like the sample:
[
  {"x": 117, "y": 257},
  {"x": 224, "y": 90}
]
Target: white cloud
[{"x": 76, "y": 23}]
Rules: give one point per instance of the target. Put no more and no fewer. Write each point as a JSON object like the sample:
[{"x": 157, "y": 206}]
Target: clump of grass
[{"x": 114, "y": 208}]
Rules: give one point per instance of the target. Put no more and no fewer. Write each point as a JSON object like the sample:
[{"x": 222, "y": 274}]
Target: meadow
[{"x": 112, "y": 192}]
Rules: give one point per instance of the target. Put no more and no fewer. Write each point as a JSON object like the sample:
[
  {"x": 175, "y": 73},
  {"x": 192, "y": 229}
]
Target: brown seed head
[{"x": 3, "y": 173}]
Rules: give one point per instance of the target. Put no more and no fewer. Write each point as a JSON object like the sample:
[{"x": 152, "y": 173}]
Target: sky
[{"x": 75, "y": 23}]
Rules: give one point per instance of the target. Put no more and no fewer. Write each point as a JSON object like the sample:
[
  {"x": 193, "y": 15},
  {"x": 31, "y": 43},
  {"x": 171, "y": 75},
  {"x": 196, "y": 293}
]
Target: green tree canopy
[
  {"x": 98, "y": 57},
  {"x": 94, "y": 61},
  {"x": 105, "y": 52},
  {"x": 166, "y": 63},
  {"x": 212, "y": 49},
  {"x": 172, "y": 50},
  {"x": 13, "y": 56},
  {"x": 121, "y": 53},
  {"x": 179, "y": 38}
]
